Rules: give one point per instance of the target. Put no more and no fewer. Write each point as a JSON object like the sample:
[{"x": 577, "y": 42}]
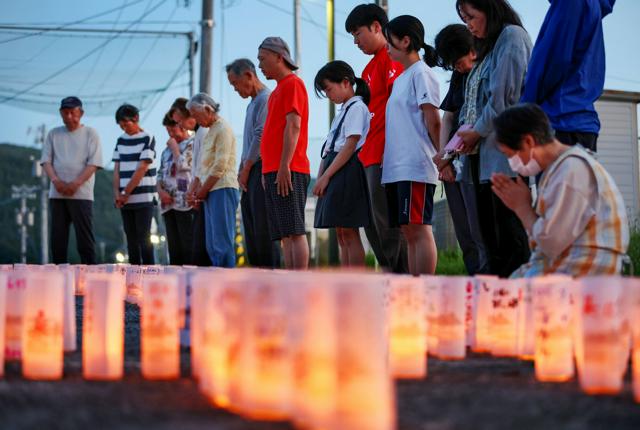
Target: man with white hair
[
  {"x": 217, "y": 184},
  {"x": 261, "y": 251}
]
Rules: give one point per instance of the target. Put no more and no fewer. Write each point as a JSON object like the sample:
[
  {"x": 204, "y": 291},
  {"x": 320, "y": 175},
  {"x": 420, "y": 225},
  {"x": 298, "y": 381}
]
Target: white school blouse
[{"x": 356, "y": 123}]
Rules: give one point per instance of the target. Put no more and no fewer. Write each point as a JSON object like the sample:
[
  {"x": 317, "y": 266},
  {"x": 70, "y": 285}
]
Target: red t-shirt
[
  {"x": 379, "y": 74},
  {"x": 289, "y": 96}
]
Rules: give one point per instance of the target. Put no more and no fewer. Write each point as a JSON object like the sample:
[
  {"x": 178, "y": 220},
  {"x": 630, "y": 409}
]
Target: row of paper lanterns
[{"x": 320, "y": 348}]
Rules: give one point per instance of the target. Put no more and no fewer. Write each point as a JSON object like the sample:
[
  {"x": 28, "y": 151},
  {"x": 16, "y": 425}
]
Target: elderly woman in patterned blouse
[
  {"x": 217, "y": 180},
  {"x": 579, "y": 224}
]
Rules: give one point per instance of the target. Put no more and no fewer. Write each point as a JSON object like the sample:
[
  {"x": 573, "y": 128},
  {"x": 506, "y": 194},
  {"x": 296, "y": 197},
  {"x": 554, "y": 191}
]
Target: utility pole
[
  {"x": 384, "y": 4},
  {"x": 24, "y": 216},
  {"x": 334, "y": 252},
  {"x": 41, "y": 133},
  {"x": 206, "y": 46},
  {"x": 193, "y": 48},
  {"x": 296, "y": 34}
]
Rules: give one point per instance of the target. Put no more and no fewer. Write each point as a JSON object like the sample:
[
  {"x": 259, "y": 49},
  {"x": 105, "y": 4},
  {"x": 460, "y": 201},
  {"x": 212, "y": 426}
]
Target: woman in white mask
[{"x": 578, "y": 225}]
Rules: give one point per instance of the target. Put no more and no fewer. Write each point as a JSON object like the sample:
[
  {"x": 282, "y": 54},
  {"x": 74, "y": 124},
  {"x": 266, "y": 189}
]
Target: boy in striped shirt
[{"x": 134, "y": 183}]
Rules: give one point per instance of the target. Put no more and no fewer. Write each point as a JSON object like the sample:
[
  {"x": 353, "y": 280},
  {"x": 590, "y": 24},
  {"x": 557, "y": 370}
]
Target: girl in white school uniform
[
  {"x": 341, "y": 187},
  {"x": 412, "y": 139}
]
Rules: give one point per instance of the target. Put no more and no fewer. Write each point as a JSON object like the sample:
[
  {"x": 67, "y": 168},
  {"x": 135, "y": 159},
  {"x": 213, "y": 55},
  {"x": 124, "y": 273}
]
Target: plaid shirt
[{"x": 600, "y": 247}]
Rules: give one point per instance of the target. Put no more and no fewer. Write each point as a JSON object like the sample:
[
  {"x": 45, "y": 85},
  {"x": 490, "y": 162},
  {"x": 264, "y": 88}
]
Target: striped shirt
[
  {"x": 590, "y": 219},
  {"x": 129, "y": 151}
]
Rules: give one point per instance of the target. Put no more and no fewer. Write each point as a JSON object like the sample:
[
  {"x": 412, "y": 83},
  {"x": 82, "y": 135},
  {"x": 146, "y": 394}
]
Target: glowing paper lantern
[
  {"x": 503, "y": 322},
  {"x": 134, "y": 284},
  {"x": 552, "y": 323},
  {"x": 160, "y": 339},
  {"x": 103, "y": 328},
  {"x": 632, "y": 289},
  {"x": 69, "y": 326},
  {"x": 16, "y": 285},
  {"x": 432, "y": 295},
  {"x": 451, "y": 318},
  {"x": 42, "y": 339},
  {"x": 81, "y": 271},
  {"x": 315, "y": 371},
  {"x": 266, "y": 352},
  {"x": 365, "y": 398},
  {"x": 471, "y": 310},
  {"x": 407, "y": 327},
  {"x": 484, "y": 306},
  {"x": 3, "y": 299},
  {"x": 601, "y": 336},
  {"x": 526, "y": 342}
]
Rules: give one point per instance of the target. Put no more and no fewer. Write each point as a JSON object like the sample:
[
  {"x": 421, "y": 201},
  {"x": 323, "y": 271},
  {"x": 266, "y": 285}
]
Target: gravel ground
[{"x": 477, "y": 393}]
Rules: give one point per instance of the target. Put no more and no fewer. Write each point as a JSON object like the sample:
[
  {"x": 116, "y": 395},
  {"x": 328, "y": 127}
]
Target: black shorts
[
  {"x": 410, "y": 202},
  {"x": 286, "y": 214}
]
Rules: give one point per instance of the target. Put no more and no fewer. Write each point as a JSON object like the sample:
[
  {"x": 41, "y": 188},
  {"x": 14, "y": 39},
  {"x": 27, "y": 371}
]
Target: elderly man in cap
[
  {"x": 283, "y": 149},
  {"x": 70, "y": 157}
]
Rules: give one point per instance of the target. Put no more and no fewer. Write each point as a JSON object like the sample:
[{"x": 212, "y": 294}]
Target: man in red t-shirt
[
  {"x": 283, "y": 149},
  {"x": 365, "y": 23}
]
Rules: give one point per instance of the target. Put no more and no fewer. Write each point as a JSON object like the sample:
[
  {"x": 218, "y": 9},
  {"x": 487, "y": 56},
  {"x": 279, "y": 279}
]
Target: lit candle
[
  {"x": 103, "y": 328},
  {"x": 484, "y": 293},
  {"x": 552, "y": 324},
  {"x": 451, "y": 318},
  {"x": 365, "y": 398},
  {"x": 407, "y": 327},
  {"x": 504, "y": 317},
  {"x": 42, "y": 347},
  {"x": 160, "y": 338},
  {"x": 14, "y": 313},
  {"x": 4, "y": 277}
]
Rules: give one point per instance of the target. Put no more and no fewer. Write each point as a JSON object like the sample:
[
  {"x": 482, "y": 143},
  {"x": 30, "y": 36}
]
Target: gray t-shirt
[
  {"x": 70, "y": 152},
  {"x": 253, "y": 125}
]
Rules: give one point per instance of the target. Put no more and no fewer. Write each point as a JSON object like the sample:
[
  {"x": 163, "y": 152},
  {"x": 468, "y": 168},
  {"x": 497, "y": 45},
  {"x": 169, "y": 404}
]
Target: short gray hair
[
  {"x": 240, "y": 66},
  {"x": 200, "y": 102}
]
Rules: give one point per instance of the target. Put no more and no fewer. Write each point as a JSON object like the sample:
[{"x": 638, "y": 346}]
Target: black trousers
[
  {"x": 137, "y": 228},
  {"x": 505, "y": 239},
  {"x": 261, "y": 250},
  {"x": 571, "y": 138},
  {"x": 179, "y": 226},
  {"x": 199, "y": 255},
  {"x": 64, "y": 212}
]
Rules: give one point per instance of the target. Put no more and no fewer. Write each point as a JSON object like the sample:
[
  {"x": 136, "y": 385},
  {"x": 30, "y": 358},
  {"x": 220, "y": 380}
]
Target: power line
[
  {"x": 80, "y": 21},
  {"x": 306, "y": 19},
  {"x": 82, "y": 58}
]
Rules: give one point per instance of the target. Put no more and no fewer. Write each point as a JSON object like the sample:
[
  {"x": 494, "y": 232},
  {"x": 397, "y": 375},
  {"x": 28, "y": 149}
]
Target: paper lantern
[
  {"x": 471, "y": 310},
  {"x": 632, "y": 290},
  {"x": 197, "y": 320},
  {"x": 80, "y": 271},
  {"x": 69, "y": 326},
  {"x": 365, "y": 398},
  {"x": 4, "y": 276},
  {"x": 407, "y": 327},
  {"x": 42, "y": 339},
  {"x": 134, "y": 284},
  {"x": 432, "y": 297},
  {"x": 160, "y": 339},
  {"x": 315, "y": 343},
  {"x": 451, "y": 318},
  {"x": 484, "y": 306},
  {"x": 14, "y": 311},
  {"x": 103, "y": 328},
  {"x": 601, "y": 335},
  {"x": 266, "y": 356},
  {"x": 552, "y": 324},
  {"x": 526, "y": 342},
  {"x": 503, "y": 322}
]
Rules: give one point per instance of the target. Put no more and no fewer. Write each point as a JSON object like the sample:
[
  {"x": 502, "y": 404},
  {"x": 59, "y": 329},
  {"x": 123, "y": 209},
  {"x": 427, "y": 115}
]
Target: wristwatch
[{"x": 123, "y": 193}]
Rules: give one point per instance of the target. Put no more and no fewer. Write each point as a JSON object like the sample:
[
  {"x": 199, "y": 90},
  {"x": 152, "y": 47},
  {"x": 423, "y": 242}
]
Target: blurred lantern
[
  {"x": 160, "y": 338},
  {"x": 103, "y": 327},
  {"x": 69, "y": 326},
  {"x": 14, "y": 313},
  {"x": 4, "y": 276},
  {"x": 601, "y": 338},
  {"x": 42, "y": 347},
  {"x": 503, "y": 322},
  {"x": 407, "y": 327},
  {"x": 80, "y": 278},
  {"x": 484, "y": 306},
  {"x": 133, "y": 279},
  {"x": 451, "y": 318},
  {"x": 432, "y": 297},
  {"x": 365, "y": 398},
  {"x": 552, "y": 323},
  {"x": 526, "y": 342}
]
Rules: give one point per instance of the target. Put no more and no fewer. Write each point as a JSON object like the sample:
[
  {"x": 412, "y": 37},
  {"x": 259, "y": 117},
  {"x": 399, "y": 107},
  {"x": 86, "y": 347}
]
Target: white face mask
[{"x": 532, "y": 168}]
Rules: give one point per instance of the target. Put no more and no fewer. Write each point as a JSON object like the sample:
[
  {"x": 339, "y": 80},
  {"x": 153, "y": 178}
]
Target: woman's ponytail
[{"x": 430, "y": 55}]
